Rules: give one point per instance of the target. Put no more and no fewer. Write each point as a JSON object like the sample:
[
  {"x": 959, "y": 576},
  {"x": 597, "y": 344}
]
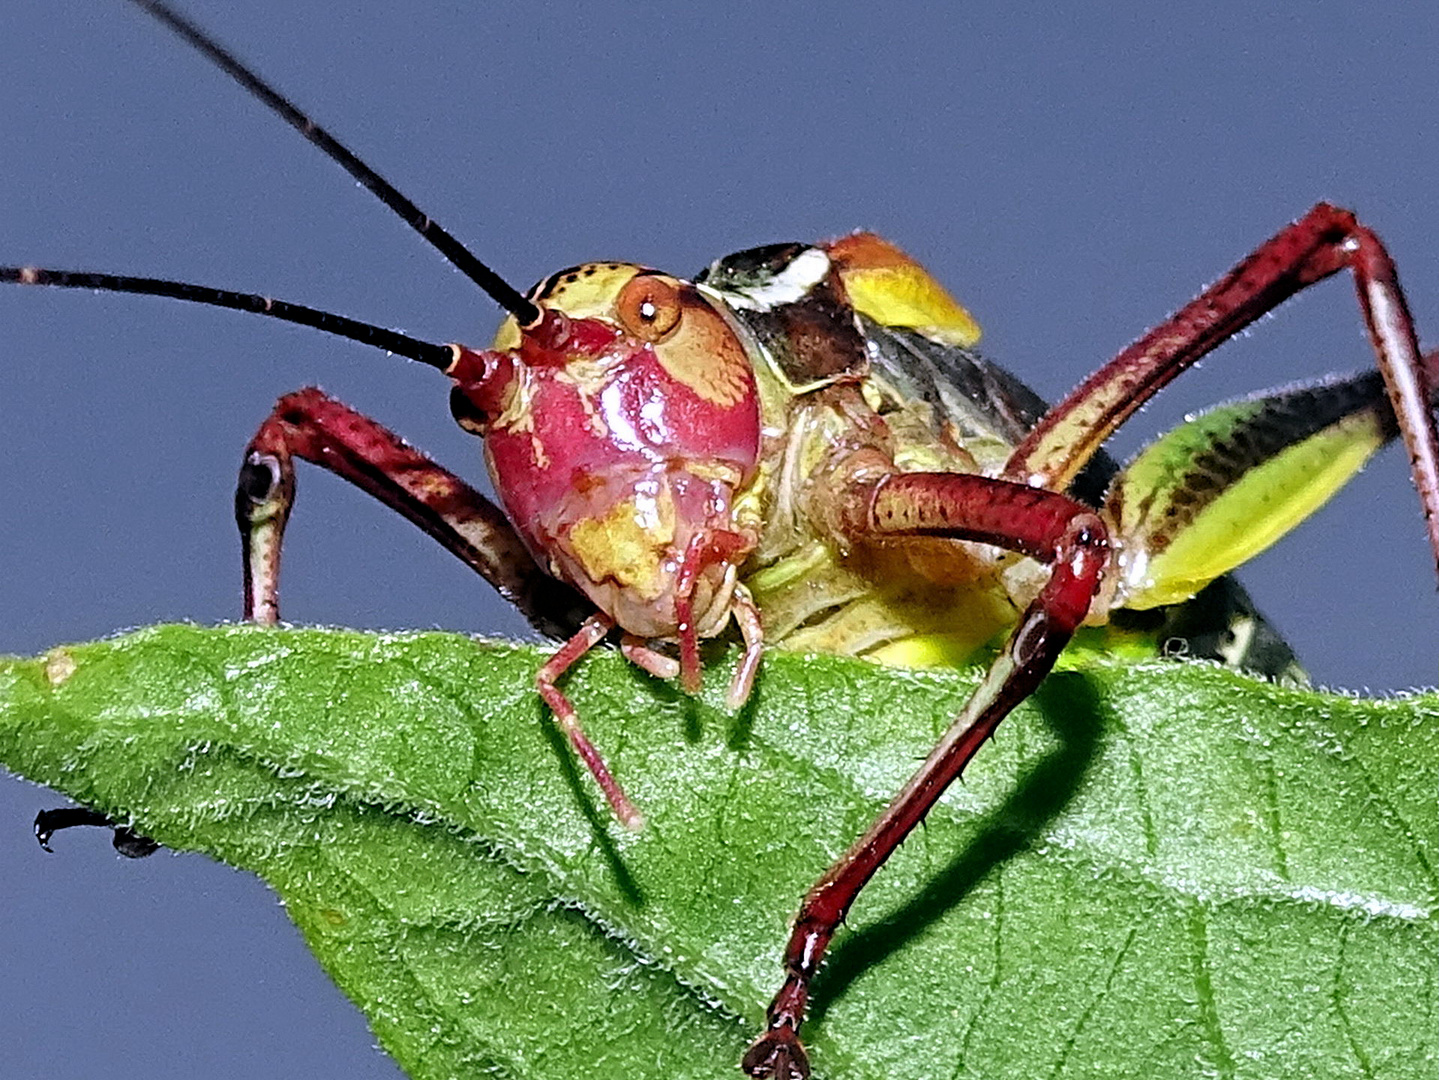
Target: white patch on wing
[{"x": 791, "y": 284}]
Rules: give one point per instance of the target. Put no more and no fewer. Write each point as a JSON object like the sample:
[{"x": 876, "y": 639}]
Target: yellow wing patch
[{"x": 892, "y": 289}]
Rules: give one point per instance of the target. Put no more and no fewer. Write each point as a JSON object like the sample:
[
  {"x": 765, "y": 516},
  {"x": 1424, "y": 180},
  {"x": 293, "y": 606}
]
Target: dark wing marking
[{"x": 979, "y": 397}]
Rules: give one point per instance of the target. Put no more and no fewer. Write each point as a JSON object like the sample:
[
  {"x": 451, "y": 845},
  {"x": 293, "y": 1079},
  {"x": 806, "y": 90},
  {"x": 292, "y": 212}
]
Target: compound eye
[{"x": 649, "y": 307}]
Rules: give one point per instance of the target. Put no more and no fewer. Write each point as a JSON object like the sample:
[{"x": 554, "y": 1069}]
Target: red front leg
[
  {"x": 312, "y": 425},
  {"x": 586, "y": 638},
  {"x": 1052, "y": 528}
]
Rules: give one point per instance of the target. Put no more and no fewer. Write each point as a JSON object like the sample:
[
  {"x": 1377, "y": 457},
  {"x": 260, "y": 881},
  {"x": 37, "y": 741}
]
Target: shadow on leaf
[
  {"x": 599, "y": 818},
  {"x": 1071, "y": 709}
]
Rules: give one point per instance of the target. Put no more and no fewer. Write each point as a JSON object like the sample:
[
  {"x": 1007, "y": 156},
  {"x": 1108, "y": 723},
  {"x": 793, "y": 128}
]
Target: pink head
[{"x": 620, "y": 427}]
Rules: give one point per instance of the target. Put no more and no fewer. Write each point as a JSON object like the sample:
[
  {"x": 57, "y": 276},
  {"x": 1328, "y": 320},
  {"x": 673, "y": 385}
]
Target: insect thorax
[{"x": 836, "y": 383}]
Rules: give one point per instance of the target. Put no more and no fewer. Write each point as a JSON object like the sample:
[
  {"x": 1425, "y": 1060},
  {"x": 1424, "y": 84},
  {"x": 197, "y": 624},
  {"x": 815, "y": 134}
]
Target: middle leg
[{"x": 1052, "y": 528}]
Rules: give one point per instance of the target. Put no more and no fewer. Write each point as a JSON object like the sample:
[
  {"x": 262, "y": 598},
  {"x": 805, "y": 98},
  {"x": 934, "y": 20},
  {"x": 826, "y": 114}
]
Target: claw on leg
[
  {"x": 777, "y": 1055},
  {"x": 125, "y": 840}
]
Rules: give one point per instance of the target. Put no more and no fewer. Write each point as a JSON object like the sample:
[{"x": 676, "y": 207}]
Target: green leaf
[{"x": 1154, "y": 871}]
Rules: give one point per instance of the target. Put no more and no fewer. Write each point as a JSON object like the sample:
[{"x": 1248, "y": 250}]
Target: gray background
[{"x": 1071, "y": 177}]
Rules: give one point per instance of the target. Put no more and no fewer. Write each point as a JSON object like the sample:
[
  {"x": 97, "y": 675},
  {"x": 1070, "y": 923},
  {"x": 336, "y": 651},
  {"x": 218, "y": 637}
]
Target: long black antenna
[
  {"x": 438, "y": 356},
  {"x": 503, "y": 293}
]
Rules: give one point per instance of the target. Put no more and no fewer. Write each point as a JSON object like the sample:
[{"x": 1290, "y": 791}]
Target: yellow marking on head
[
  {"x": 588, "y": 377},
  {"x": 699, "y": 349},
  {"x": 627, "y": 545},
  {"x": 581, "y": 292},
  {"x": 517, "y": 410},
  {"x": 507, "y": 337},
  {"x": 703, "y": 354},
  {"x": 588, "y": 291}
]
